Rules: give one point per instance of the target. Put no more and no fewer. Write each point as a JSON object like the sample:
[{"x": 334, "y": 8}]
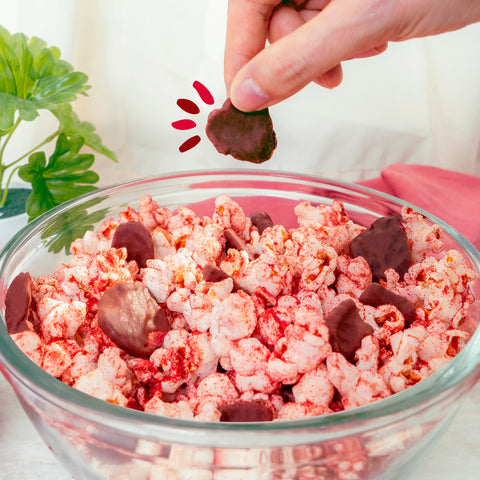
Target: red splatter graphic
[
  {"x": 190, "y": 143},
  {"x": 184, "y": 124},
  {"x": 204, "y": 92},
  {"x": 188, "y": 106},
  {"x": 191, "y": 107}
]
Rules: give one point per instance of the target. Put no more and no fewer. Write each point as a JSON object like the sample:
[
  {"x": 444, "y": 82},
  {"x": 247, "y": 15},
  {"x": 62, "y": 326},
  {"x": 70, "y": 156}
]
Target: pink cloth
[{"x": 452, "y": 196}]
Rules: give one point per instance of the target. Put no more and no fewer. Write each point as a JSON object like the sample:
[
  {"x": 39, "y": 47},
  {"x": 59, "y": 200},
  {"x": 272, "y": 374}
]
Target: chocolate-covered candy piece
[
  {"x": 243, "y": 135},
  {"x": 376, "y": 295},
  {"x": 17, "y": 303},
  {"x": 346, "y": 329},
  {"x": 136, "y": 238},
  {"x": 211, "y": 273},
  {"x": 160, "y": 321},
  {"x": 261, "y": 220},
  {"x": 245, "y": 412},
  {"x": 127, "y": 313},
  {"x": 233, "y": 240},
  {"x": 383, "y": 245}
]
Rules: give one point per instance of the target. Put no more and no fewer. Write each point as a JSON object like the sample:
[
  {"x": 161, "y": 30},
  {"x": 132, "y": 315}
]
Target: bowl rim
[{"x": 18, "y": 369}]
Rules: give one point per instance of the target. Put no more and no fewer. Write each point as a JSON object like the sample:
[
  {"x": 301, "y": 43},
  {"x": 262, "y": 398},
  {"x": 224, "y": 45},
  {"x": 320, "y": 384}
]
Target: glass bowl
[{"x": 95, "y": 439}]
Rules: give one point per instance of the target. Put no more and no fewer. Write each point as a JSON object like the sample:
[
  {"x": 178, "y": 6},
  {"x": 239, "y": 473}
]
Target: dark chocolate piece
[
  {"x": 234, "y": 240},
  {"x": 243, "y": 135},
  {"x": 346, "y": 329},
  {"x": 211, "y": 273},
  {"x": 127, "y": 313},
  {"x": 160, "y": 321},
  {"x": 376, "y": 295},
  {"x": 245, "y": 412},
  {"x": 136, "y": 238},
  {"x": 383, "y": 245},
  {"x": 17, "y": 303},
  {"x": 261, "y": 220}
]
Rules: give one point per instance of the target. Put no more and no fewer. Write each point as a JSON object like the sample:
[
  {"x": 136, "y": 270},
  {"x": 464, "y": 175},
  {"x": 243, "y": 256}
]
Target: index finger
[{"x": 247, "y": 28}]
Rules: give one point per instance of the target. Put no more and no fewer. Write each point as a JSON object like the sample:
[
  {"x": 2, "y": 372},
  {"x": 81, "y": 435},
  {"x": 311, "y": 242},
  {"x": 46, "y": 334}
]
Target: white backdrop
[{"x": 417, "y": 103}]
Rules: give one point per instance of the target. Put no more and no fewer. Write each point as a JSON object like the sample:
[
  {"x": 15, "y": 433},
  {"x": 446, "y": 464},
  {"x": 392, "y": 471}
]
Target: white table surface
[{"x": 24, "y": 455}]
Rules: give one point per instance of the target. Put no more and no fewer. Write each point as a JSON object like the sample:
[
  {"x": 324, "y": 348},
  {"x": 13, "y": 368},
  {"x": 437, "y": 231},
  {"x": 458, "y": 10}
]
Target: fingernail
[{"x": 248, "y": 96}]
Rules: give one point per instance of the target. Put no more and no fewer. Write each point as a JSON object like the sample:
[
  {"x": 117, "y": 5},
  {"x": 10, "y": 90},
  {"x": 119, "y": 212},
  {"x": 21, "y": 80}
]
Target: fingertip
[
  {"x": 332, "y": 78},
  {"x": 248, "y": 96}
]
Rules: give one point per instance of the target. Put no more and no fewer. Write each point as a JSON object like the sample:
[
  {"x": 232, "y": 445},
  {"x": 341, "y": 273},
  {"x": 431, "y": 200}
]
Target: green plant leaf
[
  {"x": 71, "y": 125},
  {"x": 10, "y": 104},
  {"x": 34, "y": 77},
  {"x": 7, "y": 112},
  {"x": 25, "y": 63},
  {"x": 53, "y": 90},
  {"x": 63, "y": 177},
  {"x": 31, "y": 70},
  {"x": 9, "y": 63},
  {"x": 72, "y": 224}
]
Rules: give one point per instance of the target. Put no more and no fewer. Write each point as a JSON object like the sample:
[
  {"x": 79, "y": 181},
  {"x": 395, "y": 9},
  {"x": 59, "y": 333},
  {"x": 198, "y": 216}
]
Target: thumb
[{"x": 337, "y": 33}]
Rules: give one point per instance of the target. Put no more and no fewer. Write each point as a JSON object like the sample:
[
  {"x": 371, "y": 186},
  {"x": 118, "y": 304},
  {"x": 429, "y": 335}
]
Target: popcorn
[
  {"x": 237, "y": 319},
  {"x": 31, "y": 344}
]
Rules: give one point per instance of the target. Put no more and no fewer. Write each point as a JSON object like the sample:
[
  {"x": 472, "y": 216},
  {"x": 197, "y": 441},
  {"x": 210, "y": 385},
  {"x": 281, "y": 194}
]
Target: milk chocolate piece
[
  {"x": 245, "y": 412},
  {"x": 17, "y": 303},
  {"x": 383, "y": 245},
  {"x": 346, "y": 329},
  {"x": 261, "y": 220},
  {"x": 376, "y": 295},
  {"x": 136, "y": 238},
  {"x": 243, "y": 135},
  {"x": 127, "y": 313}
]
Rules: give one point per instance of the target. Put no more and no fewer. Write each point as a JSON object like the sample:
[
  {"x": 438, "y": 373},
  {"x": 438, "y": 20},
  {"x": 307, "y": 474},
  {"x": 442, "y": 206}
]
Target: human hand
[{"x": 309, "y": 40}]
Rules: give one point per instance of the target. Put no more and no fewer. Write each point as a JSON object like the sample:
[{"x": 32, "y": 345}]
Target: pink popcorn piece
[
  {"x": 376, "y": 295},
  {"x": 346, "y": 329},
  {"x": 127, "y": 313},
  {"x": 136, "y": 238},
  {"x": 17, "y": 303},
  {"x": 244, "y": 411},
  {"x": 261, "y": 220},
  {"x": 384, "y": 245}
]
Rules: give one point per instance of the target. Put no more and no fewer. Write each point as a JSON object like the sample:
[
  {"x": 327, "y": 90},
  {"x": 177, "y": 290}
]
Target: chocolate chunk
[
  {"x": 17, "y": 303},
  {"x": 245, "y": 412},
  {"x": 211, "y": 273},
  {"x": 127, "y": 313},
  {"x": 160, "y": 321},
  {"x": 383, "y": 245},
  {"x": 346, "y": 329},
  {"x": 261, "y": 220},
  {"x": 286, "y": 393},
  {"x": 376, "y": 295},
  {"x": 243, "y": 135},
  {"x": 136, "y": 238},
  {"x": 233, "y": 240}
]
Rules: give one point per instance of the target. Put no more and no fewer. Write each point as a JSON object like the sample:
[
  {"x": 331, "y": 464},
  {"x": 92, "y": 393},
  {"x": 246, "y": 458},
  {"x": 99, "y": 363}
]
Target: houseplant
[{"x": 34, "y": 78}]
